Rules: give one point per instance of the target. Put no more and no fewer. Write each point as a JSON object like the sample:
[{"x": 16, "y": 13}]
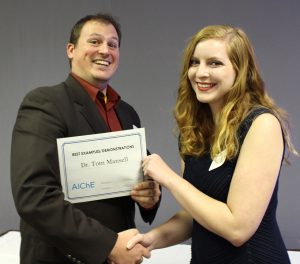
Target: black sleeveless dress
[{"x": 265, "y": 246}]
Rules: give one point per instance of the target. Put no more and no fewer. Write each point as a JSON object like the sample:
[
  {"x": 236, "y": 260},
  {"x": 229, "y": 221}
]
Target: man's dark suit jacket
[{"x": 53, "y": 230}]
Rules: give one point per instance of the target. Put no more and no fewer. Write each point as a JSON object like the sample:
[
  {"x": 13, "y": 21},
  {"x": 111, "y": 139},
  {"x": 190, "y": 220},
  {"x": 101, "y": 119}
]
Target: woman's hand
[
  {"x": 146, "y": 240},
  {"x": 120, "y": 254},
  {"x": 154, "y": 167}
]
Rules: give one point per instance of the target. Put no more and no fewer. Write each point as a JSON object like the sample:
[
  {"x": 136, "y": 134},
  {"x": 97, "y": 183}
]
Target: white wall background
[{"x": 33, "y": 35}]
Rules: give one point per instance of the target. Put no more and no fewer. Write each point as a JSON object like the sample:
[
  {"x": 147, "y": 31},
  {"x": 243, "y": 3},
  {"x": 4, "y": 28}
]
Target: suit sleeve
[{"x": 36, "y": 184}]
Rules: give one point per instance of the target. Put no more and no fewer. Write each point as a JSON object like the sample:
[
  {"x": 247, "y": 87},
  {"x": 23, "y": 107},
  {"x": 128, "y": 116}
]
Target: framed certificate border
[{"x": 83, "y": 178}]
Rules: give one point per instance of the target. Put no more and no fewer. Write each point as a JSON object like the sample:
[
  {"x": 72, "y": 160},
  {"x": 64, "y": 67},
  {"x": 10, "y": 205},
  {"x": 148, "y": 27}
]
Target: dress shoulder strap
[{"x": 247, "y": 122}]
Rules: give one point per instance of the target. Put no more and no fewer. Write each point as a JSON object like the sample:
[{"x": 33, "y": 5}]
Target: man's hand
[
  {"x": 121, "y": 255},
  {"x": 146, "y": 193}
]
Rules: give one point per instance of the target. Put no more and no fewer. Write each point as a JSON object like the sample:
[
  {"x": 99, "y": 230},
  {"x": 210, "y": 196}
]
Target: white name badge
[
  {"x": 218, "y": 160},
  {"x": 101, "y": 166}
]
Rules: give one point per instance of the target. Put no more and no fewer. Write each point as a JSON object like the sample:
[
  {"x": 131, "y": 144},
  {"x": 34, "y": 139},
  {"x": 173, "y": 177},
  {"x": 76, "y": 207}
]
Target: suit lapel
[
  {"x": 86, "y": 106},
  {"x": 124, "y": 117}
]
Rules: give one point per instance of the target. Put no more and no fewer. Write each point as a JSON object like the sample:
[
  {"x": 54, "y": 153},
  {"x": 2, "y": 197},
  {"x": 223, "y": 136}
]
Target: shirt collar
[{"x": 111, "y": 94}]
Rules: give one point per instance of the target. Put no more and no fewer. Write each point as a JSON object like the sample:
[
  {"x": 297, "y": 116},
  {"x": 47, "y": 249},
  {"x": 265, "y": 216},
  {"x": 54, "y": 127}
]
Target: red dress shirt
[{"x": 105, "y": 103}]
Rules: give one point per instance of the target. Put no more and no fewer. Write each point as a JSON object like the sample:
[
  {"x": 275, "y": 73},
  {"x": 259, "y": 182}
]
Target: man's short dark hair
[{"x": 100, "y": 17}]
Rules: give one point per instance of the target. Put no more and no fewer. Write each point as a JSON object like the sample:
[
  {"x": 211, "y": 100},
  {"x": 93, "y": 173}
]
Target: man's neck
[{"x": 102, "y": 86}]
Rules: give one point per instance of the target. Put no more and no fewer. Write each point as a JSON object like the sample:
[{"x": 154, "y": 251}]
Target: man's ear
[{"x": 70, "y": 50}]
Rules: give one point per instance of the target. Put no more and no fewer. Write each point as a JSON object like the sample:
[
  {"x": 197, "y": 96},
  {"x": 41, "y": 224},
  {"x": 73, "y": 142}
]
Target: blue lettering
[{"x": 83, "y": 185}]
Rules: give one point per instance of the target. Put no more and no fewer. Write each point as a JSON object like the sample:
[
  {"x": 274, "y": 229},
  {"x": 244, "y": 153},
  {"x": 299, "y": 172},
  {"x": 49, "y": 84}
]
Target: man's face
[{"x": 95, "y": 58}]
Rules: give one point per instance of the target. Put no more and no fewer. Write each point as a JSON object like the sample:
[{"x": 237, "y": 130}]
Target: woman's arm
[
  {"x": 250, "y": 191},
  {"x": 176, "y": 230}
]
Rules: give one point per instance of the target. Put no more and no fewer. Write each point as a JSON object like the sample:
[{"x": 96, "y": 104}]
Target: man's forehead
[{"x": 99, "y": 28}]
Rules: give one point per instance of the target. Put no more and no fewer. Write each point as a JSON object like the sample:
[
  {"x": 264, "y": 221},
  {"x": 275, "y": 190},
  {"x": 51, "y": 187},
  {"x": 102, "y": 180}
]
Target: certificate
[{"x": 101, "y": 166}]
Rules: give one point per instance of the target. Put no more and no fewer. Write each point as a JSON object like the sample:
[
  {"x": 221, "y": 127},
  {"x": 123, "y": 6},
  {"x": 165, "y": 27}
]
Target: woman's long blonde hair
[{"x": 197, "y": 131}]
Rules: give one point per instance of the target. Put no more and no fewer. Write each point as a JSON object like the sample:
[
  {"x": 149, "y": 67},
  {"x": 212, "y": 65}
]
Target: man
[{"x": 52, "y": 229}]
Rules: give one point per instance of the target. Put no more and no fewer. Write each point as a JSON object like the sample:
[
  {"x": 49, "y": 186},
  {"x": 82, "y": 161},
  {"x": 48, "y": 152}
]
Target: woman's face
[{"x": 211, "y": 73}]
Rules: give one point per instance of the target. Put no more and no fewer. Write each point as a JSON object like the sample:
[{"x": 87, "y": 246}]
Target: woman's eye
[
  {"x": 194, "y": 62},
  {"x": 215, "y": 63}
]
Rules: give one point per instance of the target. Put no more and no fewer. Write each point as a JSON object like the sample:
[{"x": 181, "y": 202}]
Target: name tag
[{"x": 218, "y": 160}]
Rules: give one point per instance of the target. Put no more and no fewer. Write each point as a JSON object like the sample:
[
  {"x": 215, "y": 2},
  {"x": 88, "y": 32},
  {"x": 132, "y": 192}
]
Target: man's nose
[{"x": 103, "y": 49}]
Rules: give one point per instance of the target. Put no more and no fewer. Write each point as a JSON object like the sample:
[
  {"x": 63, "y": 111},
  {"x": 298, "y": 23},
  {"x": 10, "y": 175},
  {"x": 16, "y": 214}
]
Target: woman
[{"x": 232, "y": 140}]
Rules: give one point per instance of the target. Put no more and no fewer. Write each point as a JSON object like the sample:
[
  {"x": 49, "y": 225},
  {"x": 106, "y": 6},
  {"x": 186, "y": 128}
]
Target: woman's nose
[{"x": 202, "y": 71}]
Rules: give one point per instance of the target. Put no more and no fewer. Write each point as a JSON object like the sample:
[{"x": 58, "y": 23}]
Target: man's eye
[
  {"x": 94, "y": 41},
  {"x": 113, "y": 45}
]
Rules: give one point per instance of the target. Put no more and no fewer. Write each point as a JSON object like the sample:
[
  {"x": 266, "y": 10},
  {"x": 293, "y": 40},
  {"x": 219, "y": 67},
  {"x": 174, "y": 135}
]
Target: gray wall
[{"x": 32, "y": 51}]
